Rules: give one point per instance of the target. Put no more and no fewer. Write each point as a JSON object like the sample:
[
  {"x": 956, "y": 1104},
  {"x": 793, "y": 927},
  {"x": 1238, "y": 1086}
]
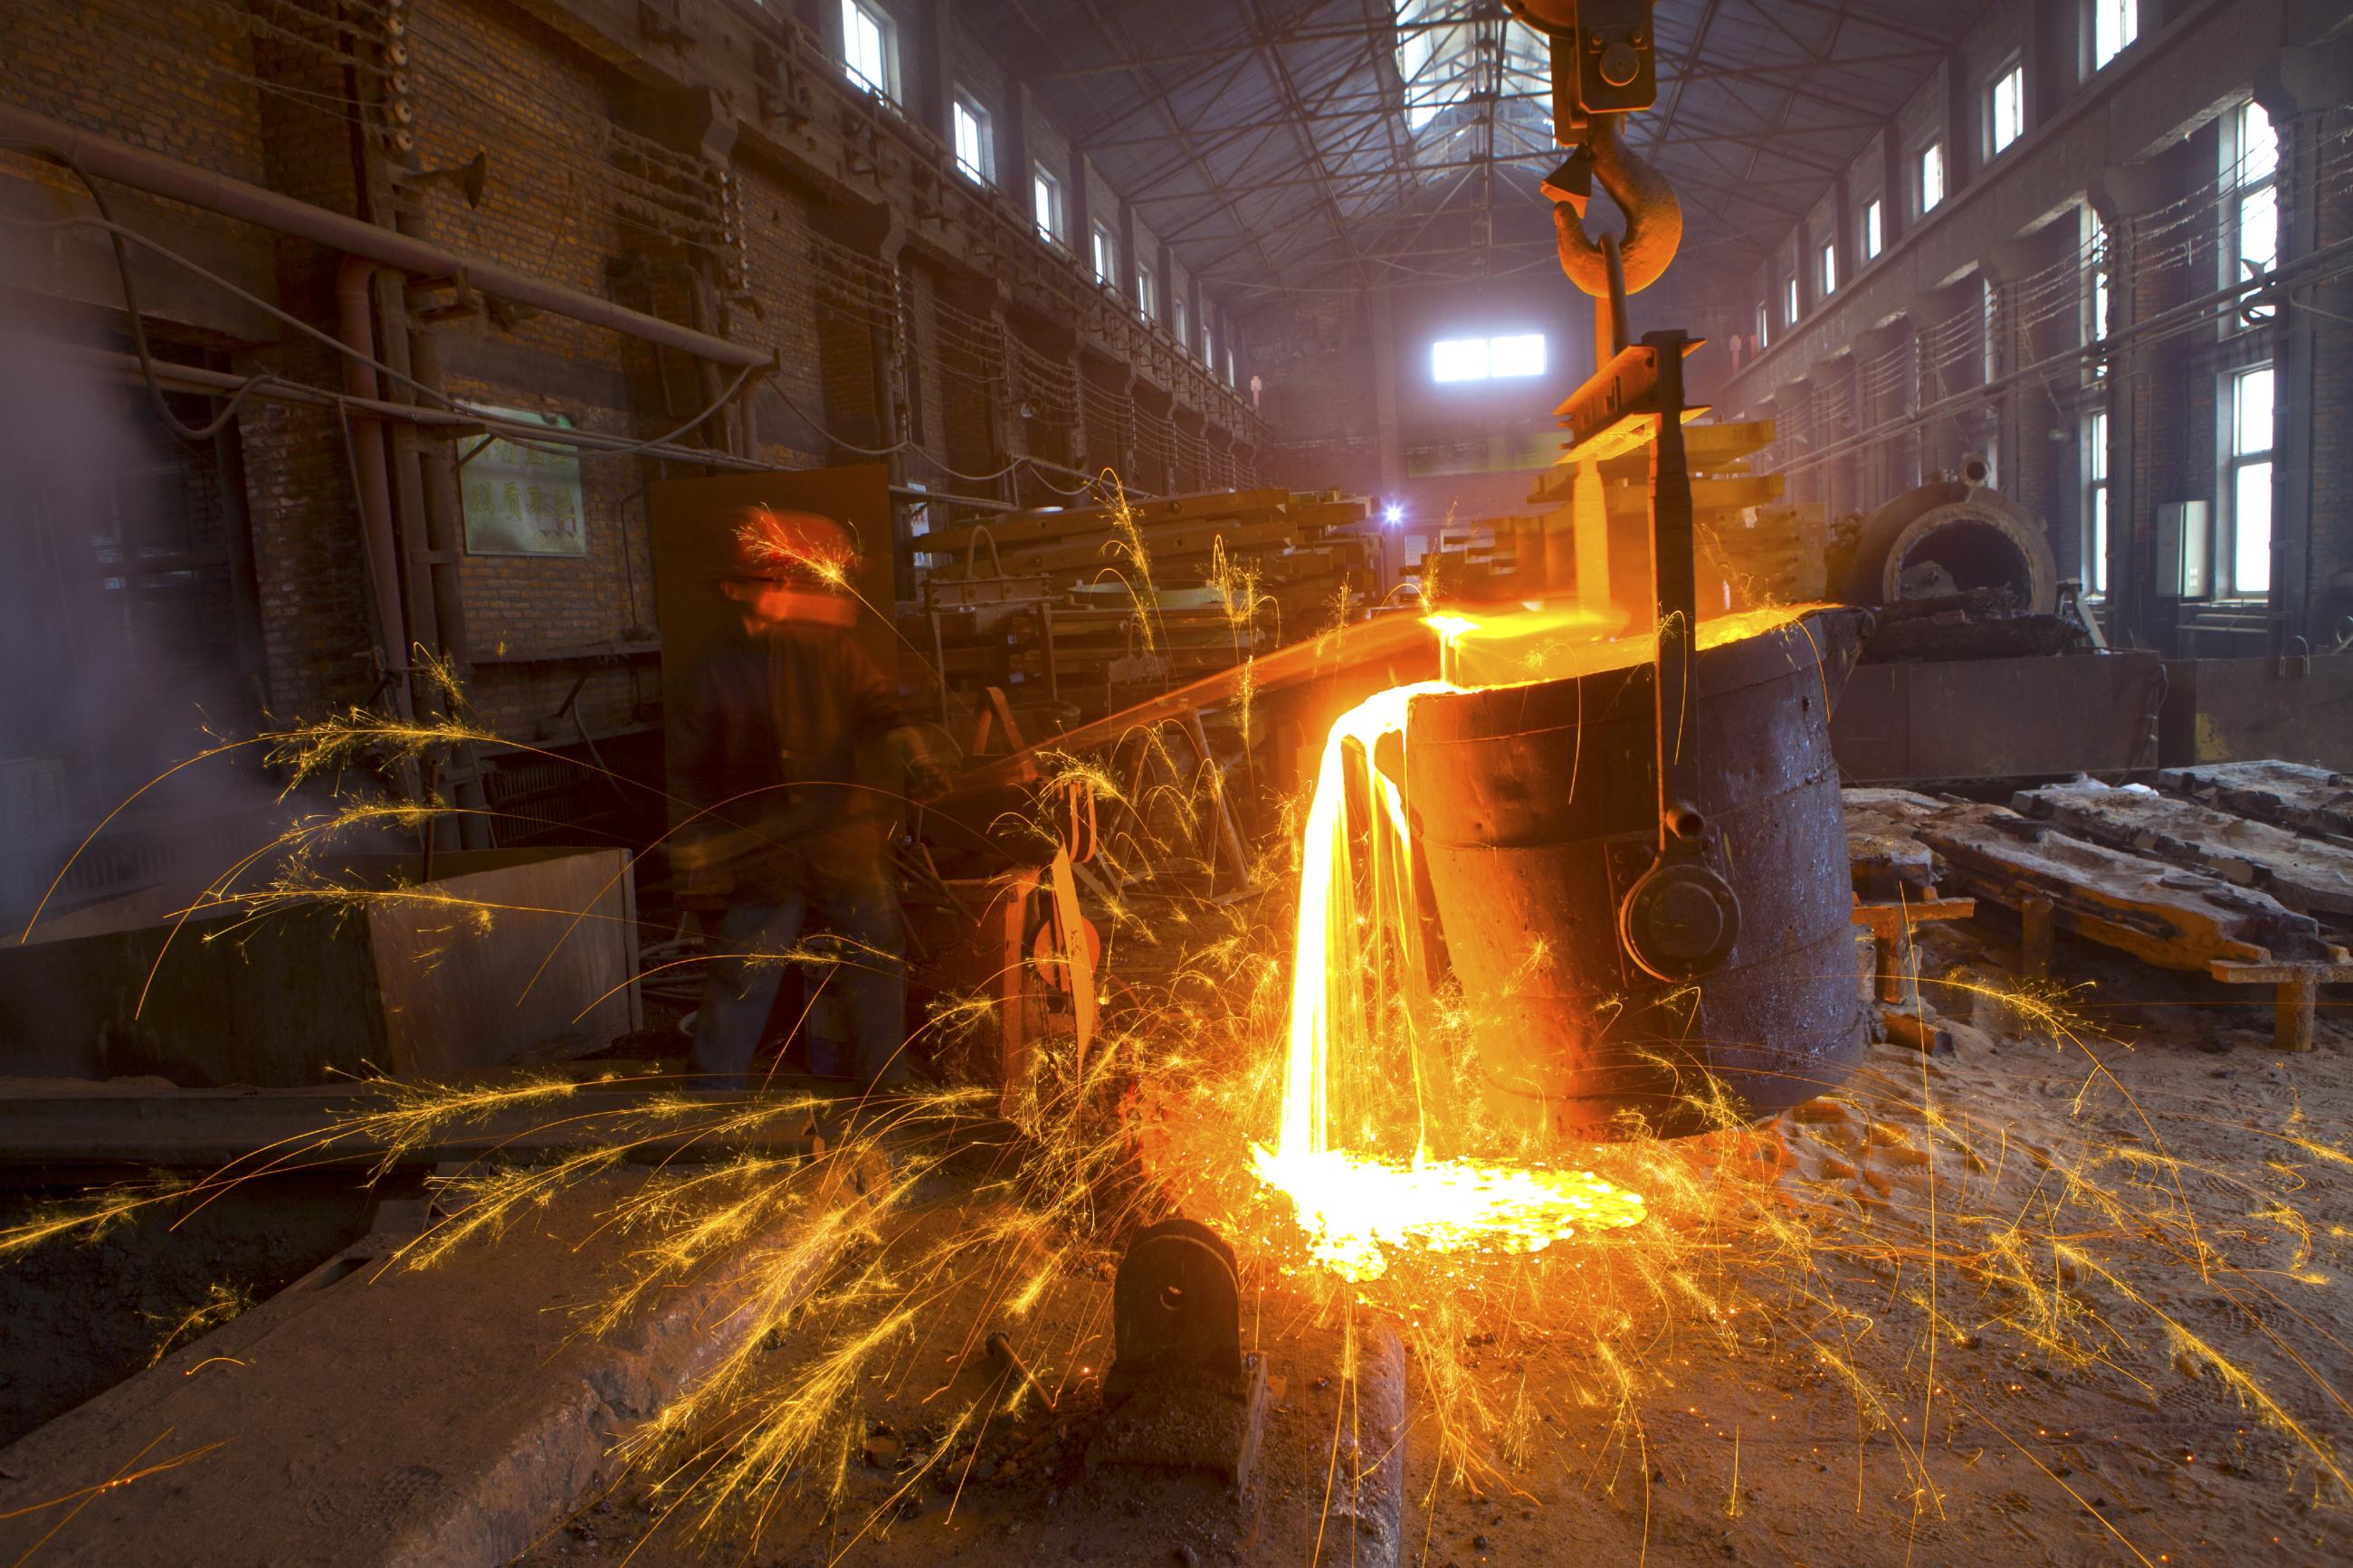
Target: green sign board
[{"x": 523, "y": 500}]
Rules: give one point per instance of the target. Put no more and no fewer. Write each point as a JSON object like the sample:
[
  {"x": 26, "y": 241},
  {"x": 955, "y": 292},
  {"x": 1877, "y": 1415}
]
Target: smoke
[{"x": 120, "y": 625}]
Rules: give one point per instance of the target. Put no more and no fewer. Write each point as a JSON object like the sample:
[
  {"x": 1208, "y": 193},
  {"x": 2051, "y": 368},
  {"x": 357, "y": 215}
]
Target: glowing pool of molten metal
[{"x": 1355, "y": 1208}]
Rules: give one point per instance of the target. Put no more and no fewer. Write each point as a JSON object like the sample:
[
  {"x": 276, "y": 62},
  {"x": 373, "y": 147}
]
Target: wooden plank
[
  {"x": 1029, "y": 528},
  {"x": 2287, "y": 795},
  {"x": 1708, "y": 446},
  {"x": 1184, "y": 541},
  {"x": 1707, "y": 495},
  {"x": 2310, "y": 875}
]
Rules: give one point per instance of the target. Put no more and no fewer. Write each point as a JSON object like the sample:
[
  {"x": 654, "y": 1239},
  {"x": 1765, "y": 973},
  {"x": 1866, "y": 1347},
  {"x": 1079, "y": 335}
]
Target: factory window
[
  {"x": 1209, "y": 344},
  {"x": 1229, "y": 364},
  {"x": 1875, "y": 228},
  {"x": 1931, "y": 175},
  {"x": 2251, "y": 169},
  {"x": 1045, "y": 205},
  {"x": 2005, "y": 108},
  {"x": 973, "y": 155},
  {"x": 1147, "y": 293},
  {"x": 1482, "y": 359},
  {"x": 1763, "y": 326},
  {"x": 867, "y": 52},
  {"x": 2096, "y": 503},
  {"x": 1830, "y": 269},
  {"x": 1790, "y": 302},
  {"x": 1107, "y": 256},
  {"x": 2247, "y": 480},
  {"x": 1176, "y": 322},
  {"x": 2115, "y": 24}
]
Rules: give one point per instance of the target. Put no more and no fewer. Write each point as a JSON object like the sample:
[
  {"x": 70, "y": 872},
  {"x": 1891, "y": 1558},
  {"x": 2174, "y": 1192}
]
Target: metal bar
[
  {"x": 195, "y": 378},
  {"x": 1392, "y": 639},
  {"x": 303, "y": 1128},
  {"x": 105, "y": 158},
  {"x": 1674, "y": 578}
]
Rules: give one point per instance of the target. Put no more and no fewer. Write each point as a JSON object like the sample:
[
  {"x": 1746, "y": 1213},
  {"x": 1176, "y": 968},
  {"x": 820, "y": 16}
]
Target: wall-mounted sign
[{"x": 523, "y": 500}]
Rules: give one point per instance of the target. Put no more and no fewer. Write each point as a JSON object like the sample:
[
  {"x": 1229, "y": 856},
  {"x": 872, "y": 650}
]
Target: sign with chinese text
[{"x": 523, "y": 500}]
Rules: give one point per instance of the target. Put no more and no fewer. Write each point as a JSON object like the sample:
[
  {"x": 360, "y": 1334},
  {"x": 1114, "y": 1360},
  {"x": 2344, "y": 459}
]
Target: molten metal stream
[{"x": 1355, "y": 1207}]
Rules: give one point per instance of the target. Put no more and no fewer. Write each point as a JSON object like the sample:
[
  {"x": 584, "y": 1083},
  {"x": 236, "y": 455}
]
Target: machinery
[{"x": 1950, "y": 536}]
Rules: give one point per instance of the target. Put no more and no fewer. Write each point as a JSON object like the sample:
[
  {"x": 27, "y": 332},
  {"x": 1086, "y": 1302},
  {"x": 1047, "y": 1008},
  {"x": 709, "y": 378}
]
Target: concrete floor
[
  {"x": 1854, "y": 1406},
  {"x": 1849, "y": 1419}
]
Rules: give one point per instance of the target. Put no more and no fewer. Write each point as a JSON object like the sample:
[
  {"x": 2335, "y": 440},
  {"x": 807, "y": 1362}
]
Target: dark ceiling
[{"x": 1267, "y": 141}]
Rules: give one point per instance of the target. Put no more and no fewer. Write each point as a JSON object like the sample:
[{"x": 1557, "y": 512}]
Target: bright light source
[
  {"x": 2009, "y": 107},
  {"x": 1479, "y": 359},
  {"x": 1522, "y": 355},
  {"x": 2114, "y": 24},
  {"x": 1459, "y": 358},
  {"x": 1931, "y": 175},
  {"x": 1393, "y": 514}
]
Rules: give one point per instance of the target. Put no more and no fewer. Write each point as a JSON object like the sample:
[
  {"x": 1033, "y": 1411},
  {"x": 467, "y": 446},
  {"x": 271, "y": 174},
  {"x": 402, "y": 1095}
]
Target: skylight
[{"x": 1456, "y": 58}]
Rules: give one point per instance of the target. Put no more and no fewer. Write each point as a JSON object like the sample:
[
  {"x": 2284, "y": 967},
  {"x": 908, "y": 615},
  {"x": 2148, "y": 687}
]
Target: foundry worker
[{"x": 791, "y": 756}]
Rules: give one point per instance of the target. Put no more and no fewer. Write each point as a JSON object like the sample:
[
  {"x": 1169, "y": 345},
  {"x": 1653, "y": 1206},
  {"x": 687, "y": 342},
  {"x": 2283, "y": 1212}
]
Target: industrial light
[{"x": 1393, "y": 514}]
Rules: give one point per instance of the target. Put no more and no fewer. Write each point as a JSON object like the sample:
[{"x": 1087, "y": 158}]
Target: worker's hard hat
[{"x": 800, "y": 548}]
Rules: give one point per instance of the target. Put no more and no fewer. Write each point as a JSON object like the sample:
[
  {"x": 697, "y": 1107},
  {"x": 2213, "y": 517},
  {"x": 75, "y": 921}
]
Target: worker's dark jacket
[{"x": 781, "y": 736}]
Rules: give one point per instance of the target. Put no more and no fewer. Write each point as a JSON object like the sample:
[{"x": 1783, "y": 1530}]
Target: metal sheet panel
[
  {"x": 1957, "y": 721},
  {"x": 2239, "y": 710}
]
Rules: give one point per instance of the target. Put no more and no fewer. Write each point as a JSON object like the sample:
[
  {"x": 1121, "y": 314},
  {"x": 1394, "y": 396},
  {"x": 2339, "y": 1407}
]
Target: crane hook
[{"x": 1654, "y": 217}]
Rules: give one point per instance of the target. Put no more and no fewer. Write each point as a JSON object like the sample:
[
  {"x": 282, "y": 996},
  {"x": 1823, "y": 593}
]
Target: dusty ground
[{"x": 2135, "y": 1350}]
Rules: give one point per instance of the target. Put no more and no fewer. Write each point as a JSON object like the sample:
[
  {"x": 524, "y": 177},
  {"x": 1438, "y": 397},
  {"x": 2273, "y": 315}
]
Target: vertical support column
[
  {"x": 2037, "y": 935},
  {"x": 1078, "y": 214},
  {"x": 934, "y": 57},
  {"x": 985, "y": 295},
  {"x": 1131, "y": 253},
  {"x": 1870, "y": 465},
  {"x": 1381, "y": 323},
  {"x": 2006, "y": 265},
  {"x": 1127, "y": 457},
  {"x": 877, "y": 230},
  {"x": 2118, "y": 197},
  {"x": 2297, "y": 90},
  {"x": 1013, "y": 172}
]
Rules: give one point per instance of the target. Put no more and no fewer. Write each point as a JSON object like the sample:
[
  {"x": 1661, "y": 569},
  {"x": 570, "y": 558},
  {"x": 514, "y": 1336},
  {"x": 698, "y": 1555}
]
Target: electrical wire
[
  {"x": 509, "y": 431},
  {"x": 324, "y": 339},
  {"x": 192, "y": 435},
  {"x": 1035, "y": 465}
]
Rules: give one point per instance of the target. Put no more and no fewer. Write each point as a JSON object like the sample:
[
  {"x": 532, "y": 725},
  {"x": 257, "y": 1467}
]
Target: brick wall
[{"x": 580, "y": 191}]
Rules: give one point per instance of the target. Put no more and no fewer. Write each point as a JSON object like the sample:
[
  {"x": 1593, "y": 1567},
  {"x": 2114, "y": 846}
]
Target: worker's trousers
[{"x": 749, "y": 952}]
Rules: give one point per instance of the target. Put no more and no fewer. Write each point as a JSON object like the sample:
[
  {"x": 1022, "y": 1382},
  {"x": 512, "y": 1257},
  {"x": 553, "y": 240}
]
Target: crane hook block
[{"x": 1654, "y": 217}]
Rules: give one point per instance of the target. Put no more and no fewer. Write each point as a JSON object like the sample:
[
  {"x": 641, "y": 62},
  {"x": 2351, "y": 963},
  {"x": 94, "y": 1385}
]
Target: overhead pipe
[{"x": 105, "y": 158}]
